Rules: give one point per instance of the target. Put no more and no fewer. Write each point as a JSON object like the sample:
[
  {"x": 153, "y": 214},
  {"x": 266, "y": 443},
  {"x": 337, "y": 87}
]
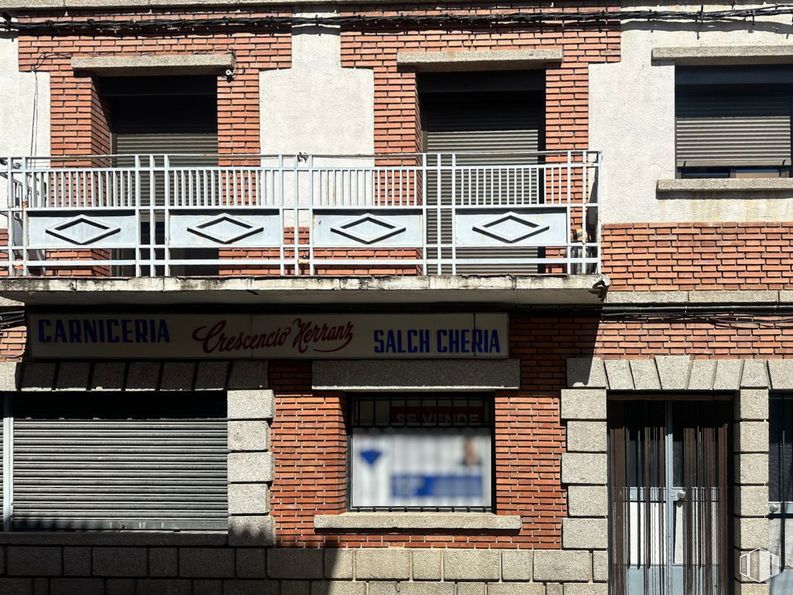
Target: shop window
[
  {"x": 733, "y": 122},
  {"x": 116, "y": 461},
  {"x": 421, "y": 452},
  {"x": 780, "y": 487}
]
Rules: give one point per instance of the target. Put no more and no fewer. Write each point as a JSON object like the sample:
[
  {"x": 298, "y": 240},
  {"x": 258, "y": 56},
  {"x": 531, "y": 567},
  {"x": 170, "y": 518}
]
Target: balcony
[{"x": 287, "y": 217}]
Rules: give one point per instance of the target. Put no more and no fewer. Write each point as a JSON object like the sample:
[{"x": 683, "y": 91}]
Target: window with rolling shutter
[
  {"x": 476, "y": 116},
  {"x": 113, "y": 461},
  {"x": 727, "y": 128}
]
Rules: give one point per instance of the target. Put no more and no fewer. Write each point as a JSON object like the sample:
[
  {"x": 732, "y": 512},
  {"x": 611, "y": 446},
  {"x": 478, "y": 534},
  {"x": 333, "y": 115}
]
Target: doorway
[{"x": 669, "y": 482}]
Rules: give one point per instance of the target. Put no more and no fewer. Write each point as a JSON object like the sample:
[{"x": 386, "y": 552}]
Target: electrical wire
[{"x": 396, "y": 22}]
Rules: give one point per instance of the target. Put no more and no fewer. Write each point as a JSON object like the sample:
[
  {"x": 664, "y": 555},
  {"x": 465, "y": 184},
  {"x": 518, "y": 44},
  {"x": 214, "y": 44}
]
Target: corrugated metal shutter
[
  {"x": 723, "y": 129},
  {"x": 511, "y": 124},
  {"x": 118, "y": 461}
]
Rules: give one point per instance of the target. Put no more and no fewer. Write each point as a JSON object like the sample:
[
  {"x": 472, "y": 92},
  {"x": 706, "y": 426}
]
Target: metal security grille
[
  {"x": 780, "y": 479},
  {"x": 421, "y": 453},
  {"x": 482, "y": 117},
  {"x": 669, "y": 479},
  {"x": 115, "y": 461}
]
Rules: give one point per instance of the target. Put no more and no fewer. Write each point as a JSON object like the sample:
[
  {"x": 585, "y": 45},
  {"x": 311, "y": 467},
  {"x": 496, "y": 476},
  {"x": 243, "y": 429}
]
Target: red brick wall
[{"x": 698, "y": 256}]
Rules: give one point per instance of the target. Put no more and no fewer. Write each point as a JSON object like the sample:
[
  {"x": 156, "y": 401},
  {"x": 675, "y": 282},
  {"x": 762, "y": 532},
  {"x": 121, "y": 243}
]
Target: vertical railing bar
[
  {"x": 8, "y": 461},
  {"x": 166, "y": 232}
]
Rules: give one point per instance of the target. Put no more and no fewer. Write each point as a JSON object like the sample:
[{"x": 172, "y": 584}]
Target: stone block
[
  {"x": 250, "y": 587},
  {"x": 248, "y": 435},
  {"x": 143, "y": 376},
  {"x": 584, "y": 468},
  {"x": 554, "y": 589},
  {"x": 751, "y": 533},
  {"x": 586, "y": 372},
  {"x": 586, "y": 436},
  {"x": 251, "y": 404},
  {"x": 580, "y": 403},
  {"x": 600, "y": 566},
  {"x": 471, "y": 565},
  {"x": 208, "y": 587},
  {"x": 251, "y": 530},
  {"x": 120, "y": 561},
  {"x": 339, "y": 563},
  {"x": 251, "y": 563},
  {"x": 8, "y": 376},
  {"x": 618, "y": 372},
  {"x": 38, "y": 376},
  {"x": 702, "y": 374},
  {"x": 77, "y": 561},
  {"x": 752, "y": 468},
  {"x": 248, "y": 375},
  {"x": 645, "y": 374},
  {"x": 250, "y": 467},
  {"x": 120, "y": 586},
  {"x": 211, "y": 376},
  {"x": 562, "y": 566},
  {"x": 587, "y": 501},
  {"x": 752, "y": 589},
  {"x": 751, "y": 501},
  {"x": 755, "y": 374},
  {"x": 33, "y": 561},
  {"x": 206, "y": 562},
  {"x": 752, "y": 404},
  {"x": 426, "y": 589},
  {"x": 295, "y": 588},
  {"x": 73, "y": 376},
  {"x": 163, "y": 561},
  {"x": 781, "y": 373},
  {"x": 586, "y": 589},
  {"x": 673, "y": 371},
  {"x": 728, "y": 374},
  {"x": 516, "y": 565},
  {"x": 295, "y": 563},
  {"x": 108, "y": 376},
  {"x": 515, "y": 589},
  {"x": 384, "y": 588},
  {"x": 163, "y": 586},
  {"x": 585, "y": 534},
  {"x": 16, "y": 586},
  {"x": 427, "y": 565},
  {"x": 382, "y": 564},
  {"x": 178, "y": 375},
  {"x": 752, "y": 436},
  {"x": 248, "y": 498},
  {"x": 471, "y": 589},
  {"x": 338, "y": 588},
  {"x": 71, "y": 586}
]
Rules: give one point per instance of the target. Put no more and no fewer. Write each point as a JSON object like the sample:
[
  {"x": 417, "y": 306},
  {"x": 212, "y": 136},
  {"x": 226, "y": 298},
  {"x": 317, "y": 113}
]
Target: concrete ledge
[
  {"x": 507, "y": 289},
  {"x": 467, "y": 374},
  {"x": 155, "y": 64},
  {"x": 116, "y": 538},
  {"x": 418, "y": 521},
  {"x": 462, "y": 60},
  {"x": 725, "y": 185},
  {"x": 725, "y": 55},
  {"x": 33, "y": 5}
]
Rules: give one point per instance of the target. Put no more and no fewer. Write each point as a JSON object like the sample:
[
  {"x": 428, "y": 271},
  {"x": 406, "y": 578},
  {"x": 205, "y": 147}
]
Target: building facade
[{"x": 347, "y": 298}]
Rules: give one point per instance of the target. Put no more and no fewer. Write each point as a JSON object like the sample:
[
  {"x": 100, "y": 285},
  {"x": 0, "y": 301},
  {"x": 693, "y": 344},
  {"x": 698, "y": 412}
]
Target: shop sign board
[{"x": 255, "y": 336}]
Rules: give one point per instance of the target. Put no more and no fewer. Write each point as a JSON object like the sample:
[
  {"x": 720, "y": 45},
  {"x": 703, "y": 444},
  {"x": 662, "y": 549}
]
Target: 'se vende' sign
[{"x": 315, "y": 336}]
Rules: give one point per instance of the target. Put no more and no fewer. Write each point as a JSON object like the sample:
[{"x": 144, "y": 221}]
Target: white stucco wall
[
  {"x": 24, "y": 110},
  {"x": 632, "y": 107},
  {"x": 316, "y": 106}
]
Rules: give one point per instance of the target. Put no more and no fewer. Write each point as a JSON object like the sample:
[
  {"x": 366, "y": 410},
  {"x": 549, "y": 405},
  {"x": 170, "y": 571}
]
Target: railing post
[
  {"x": 152, "y": 219},
  {"x": 138, "y": 218},
  {"x": 424, "y": 218},
  {"x": 8, "y": 463},
  {"x": 25, "y": 222},
  {"x": 10, "y": 205},
  {"x": 310, "y": 163},
  {"x": 166, "y": 163},
  {"x": 454, "y": 213},
  {"x": 296, "y": 238},
  {"x": 439, "y": 210}
]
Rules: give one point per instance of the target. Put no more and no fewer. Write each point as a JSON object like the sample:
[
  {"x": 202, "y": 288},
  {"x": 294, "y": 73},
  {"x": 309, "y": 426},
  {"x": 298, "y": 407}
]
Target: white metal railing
[{"x": 419, "y": 214}]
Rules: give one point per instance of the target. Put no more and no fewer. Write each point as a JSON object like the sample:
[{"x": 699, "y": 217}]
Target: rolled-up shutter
[
  {"x": 716, "y": 127},
  {"x": 474, "y": 127},
  {"x": 120, "y": 462}
]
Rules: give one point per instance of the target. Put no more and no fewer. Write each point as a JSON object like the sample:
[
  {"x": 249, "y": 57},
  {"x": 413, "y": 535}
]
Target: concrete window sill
[
  {"x": 115, "y": 538},
  {"x": 418, "y": 521},
  {"x": 722, "y": 185}
]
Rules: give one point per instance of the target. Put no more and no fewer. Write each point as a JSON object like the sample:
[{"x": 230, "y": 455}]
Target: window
[
  {"x": 117, "y": 461},
  {"x": 423, "y": 452},
  {"x": 780, "y": 482},
  {"x": 733, "y": 121}
]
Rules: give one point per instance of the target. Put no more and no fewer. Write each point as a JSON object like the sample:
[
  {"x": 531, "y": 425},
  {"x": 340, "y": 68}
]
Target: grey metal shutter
[
  {"x": 120, "y": 462},
  {"x": 510, "y": 124},
  {"x": 719, "y": 128}
]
